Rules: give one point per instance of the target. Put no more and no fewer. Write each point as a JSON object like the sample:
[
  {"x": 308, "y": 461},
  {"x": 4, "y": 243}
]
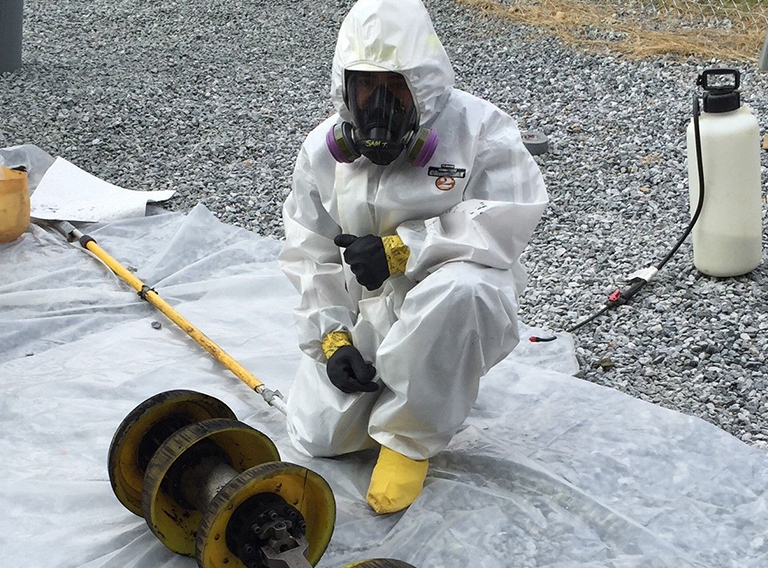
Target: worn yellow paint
[
  {"x": 125, "y": 472},
  {"x": 173, "y": 524},
  {"x": 299, "y": 487}
]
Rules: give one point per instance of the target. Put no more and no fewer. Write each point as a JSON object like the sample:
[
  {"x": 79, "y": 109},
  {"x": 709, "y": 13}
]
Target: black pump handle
[{"x": 702, "y": 80}]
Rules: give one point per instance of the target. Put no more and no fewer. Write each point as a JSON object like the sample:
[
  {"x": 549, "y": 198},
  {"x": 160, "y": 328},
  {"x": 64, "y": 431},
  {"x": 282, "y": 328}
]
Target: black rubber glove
[
  {"x": 366, "y": 258},
  {"x": 349, "y": 372}
]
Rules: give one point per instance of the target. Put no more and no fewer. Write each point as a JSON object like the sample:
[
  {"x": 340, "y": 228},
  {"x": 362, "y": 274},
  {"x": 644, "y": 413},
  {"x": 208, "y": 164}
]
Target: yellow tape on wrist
[
  {"x": 335, "y": 341},
  {"x": 397, "y": 254}
]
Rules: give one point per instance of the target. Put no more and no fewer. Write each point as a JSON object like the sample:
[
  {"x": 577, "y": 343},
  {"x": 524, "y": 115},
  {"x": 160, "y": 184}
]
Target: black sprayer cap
[{"x": 720, "y": 98}]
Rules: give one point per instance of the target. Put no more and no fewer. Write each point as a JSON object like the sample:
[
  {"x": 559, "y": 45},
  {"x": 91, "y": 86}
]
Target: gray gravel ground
[{"x": 213, "y": 98}]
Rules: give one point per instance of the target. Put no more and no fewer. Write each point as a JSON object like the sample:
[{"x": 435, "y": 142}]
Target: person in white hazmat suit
[{"x": 408, "y": 212}]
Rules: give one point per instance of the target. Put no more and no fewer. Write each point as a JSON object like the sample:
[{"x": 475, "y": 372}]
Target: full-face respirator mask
[{"x": 384, "y": 122}]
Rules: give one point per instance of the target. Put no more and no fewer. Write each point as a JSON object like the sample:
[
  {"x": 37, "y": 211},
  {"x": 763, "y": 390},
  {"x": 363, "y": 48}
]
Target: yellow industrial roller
[
  {"x": 145, "y": 428},
  {"x": 190, "y": 468},
  {"x": 212, "y": 487}
]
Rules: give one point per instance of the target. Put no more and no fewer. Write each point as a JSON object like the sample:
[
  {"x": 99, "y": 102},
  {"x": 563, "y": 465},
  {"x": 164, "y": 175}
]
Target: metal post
[
  {"x": 11, "y": 12},
  {"x": 763, "y": 63}
]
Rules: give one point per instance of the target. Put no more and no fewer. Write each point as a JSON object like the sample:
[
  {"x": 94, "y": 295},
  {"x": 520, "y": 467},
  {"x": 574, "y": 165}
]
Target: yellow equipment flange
[
  {"x": 145, "y": 428},
  {"x": 298, "y": 486},
  {"x": 174, "y": 498}
]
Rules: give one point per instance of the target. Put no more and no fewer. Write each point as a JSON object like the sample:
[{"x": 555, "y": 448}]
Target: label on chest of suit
[
  {"x": 447, "y": 170},
  {"x": 446, "y": 176}
]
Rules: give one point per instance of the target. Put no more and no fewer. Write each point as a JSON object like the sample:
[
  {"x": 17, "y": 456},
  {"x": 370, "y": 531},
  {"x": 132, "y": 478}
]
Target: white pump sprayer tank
[{"x": 727, "y": 238}]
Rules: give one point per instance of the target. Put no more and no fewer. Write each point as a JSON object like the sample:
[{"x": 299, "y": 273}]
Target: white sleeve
[
  {"x": 312, "y": 262},
  {"x": 502, "y": 204}
]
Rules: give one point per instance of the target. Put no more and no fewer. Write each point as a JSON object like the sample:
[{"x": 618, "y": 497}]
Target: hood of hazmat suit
[
  {"x": 396, "y": 37},
  {"x": 466, "y": 217}
]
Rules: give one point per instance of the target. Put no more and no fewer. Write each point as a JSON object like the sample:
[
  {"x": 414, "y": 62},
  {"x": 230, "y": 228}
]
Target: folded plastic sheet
[
  {"x": 62, "y": 191},
  {"x": 549, "y": 470}
]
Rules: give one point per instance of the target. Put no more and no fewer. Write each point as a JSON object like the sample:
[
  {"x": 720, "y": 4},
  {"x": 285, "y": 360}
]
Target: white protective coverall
[{"x": 434, "y": 331}]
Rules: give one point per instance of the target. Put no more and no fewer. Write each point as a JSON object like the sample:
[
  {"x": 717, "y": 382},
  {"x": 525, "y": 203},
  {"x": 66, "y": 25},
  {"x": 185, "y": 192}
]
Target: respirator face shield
[{"x": 384, "y": 113}]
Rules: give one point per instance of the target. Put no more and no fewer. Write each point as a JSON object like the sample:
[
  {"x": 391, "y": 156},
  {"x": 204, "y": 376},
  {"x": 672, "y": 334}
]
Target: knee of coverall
[
  {"x": 454, "y": 326},
  {"x": 486, "y": 297}
]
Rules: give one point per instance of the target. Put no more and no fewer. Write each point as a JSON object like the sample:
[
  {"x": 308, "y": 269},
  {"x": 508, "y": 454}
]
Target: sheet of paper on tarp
[
  {"x": 34, "y": 159},
  {"x": 68, "y": 193},
  {"x": 549, "y": 471}
]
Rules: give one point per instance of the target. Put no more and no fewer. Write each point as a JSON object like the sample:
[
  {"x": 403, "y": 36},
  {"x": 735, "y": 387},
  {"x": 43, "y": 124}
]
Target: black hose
[
  {"x": 639, "y": 283},
  {"x": 700, "y": 165}
]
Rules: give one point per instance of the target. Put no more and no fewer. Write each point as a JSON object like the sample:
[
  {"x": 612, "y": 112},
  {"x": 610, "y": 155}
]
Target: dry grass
[{"x": 571, "y": 20}]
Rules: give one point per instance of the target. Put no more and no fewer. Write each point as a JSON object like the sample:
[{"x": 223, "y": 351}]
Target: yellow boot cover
[{"x": 396, "y": 481}]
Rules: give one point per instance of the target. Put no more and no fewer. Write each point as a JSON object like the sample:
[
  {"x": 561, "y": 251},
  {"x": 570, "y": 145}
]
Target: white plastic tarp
[{"x": 550, "y": 471}]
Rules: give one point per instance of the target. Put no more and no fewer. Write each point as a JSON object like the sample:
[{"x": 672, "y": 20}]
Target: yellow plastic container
[{"x": 14, "y": 204}]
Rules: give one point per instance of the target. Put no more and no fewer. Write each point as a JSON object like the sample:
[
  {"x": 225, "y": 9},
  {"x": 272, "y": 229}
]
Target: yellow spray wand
[{"x": 71, "y": 233}]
